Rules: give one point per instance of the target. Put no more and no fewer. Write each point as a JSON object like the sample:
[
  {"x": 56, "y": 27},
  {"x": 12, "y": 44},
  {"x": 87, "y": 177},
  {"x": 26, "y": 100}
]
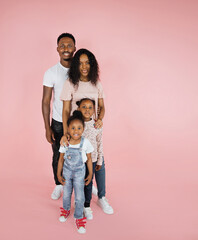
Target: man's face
[{"x": 66, "y": 49}]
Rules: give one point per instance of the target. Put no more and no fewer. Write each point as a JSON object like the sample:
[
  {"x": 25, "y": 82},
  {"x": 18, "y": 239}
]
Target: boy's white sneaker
[
  {"x": 80, "y": 224},
  {"x": 64, "y": 215},
  {"x": 88, "y": 213},
  {"x": 57, "y": 192},
  {"x": 103, "y": 203},
  {"x": 94, "y": 190}
]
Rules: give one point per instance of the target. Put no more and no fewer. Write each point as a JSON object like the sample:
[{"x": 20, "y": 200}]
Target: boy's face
[
  {"x": 87, "y": 109},
  {"x": 75, "y": 129}
]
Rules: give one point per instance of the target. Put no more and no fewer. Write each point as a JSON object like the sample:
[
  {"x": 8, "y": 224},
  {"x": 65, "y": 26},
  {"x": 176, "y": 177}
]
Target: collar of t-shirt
[
  {"x": 63, "y": 66},
  {"x": 90, "y": 122}
]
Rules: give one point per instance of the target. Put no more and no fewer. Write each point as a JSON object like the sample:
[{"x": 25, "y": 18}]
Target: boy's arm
[
  {"x": 90, "y": 169},
  {"x": 60, "y": 168}
]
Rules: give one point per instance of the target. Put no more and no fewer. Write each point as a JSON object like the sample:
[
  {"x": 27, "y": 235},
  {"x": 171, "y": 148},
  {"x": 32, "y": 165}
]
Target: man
[{"x": 53, "y": 81}]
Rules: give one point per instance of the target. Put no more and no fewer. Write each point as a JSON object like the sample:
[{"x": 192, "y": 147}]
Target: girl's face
[
  {"x": 84, "y": 66},
  {"x": 87, "y": 109},
  {"x": 76, "y": 129}
]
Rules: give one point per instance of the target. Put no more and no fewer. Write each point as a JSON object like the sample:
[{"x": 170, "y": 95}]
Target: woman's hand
[
  {"x": 61, "y": 179},
  {"x": 65, "y": 140},
  {"x": 98, "y": 167},
  {"x": 88, "y": 179},
  {"x": 98, "y": 123}
]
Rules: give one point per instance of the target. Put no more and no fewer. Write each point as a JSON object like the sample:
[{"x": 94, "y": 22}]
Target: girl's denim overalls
[{"x": 74, "y": 174}]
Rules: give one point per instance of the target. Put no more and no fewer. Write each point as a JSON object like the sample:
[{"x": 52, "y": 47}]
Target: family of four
[{"x": 75, "y": 130}]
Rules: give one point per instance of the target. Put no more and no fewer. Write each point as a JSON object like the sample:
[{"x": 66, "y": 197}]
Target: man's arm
[{"x": 47, "y": 95}]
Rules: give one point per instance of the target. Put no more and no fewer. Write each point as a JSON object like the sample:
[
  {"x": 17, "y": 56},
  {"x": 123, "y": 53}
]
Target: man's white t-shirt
[
  {"x": 55, "y": 78},
  {"x": 86, "y": 148}
]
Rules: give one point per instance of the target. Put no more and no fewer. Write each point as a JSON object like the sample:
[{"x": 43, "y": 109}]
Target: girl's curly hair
[
  {"x": 77, "y": 115},
  {"x": 74, "y": 73}
]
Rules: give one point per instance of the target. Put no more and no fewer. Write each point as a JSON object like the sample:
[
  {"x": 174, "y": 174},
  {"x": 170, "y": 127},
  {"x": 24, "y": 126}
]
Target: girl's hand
[
  {"x": 98, "y": 167},
  {"x": 98, "y": 123},
  {"x": 65, "y": 140},
  {"x": 61, "y": 179},
  {"x": 88, "y": 179}
]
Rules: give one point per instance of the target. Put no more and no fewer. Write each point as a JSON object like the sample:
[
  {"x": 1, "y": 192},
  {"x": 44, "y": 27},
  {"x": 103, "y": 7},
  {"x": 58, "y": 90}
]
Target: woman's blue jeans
[{"x": 100, "y": 182}]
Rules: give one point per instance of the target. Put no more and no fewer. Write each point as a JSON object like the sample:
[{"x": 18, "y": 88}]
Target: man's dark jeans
[{"x": 57, "y": 128}]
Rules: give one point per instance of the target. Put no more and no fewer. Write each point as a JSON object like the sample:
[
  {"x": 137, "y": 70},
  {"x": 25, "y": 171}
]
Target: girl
[
  {"x": 83, "y": 83},
  {"x": 87, "y": 106},
  {"x": 71, "y": 161}
]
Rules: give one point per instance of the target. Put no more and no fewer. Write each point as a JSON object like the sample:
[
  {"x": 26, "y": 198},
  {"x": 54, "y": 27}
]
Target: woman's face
[{"x": 84, "y": 66}]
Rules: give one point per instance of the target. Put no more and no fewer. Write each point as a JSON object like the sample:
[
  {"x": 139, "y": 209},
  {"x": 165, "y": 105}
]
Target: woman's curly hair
[{"x": 74, "y": 72}]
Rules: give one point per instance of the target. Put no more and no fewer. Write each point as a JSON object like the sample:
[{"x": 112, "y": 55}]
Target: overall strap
[{"x": 81, "y": 143}]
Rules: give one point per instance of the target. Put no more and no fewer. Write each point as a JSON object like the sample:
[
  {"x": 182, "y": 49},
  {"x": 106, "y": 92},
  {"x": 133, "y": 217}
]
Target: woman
[{"x": 83, "y": 83}]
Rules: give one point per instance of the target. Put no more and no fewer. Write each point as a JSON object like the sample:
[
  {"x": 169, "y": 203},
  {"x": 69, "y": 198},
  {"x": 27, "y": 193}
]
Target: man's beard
[{"x": 67, "y": 59}]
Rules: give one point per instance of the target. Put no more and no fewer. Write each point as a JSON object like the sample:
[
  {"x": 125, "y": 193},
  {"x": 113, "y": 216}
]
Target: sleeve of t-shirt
[
  {"x": 67, "y": 91},
  {"x": 48, "y": 79},
  {"x": 62, "y": 149},
  {"x": 100, "y": 90},
  {"x": 88, "y": 146}
]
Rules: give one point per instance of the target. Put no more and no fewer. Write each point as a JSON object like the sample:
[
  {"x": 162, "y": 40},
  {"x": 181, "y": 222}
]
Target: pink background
[{"x": 148, "y": 55}]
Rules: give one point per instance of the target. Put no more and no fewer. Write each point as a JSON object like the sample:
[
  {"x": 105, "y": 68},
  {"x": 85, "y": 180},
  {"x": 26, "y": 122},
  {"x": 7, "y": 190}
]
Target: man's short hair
[{"x": 69, "y": 35}]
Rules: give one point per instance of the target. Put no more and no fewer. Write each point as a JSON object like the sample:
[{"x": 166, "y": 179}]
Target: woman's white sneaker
[
  {"x": 88, "y": 213},
  {"x": 103, "y": 203},
  {"x": 57, "y": 192}
]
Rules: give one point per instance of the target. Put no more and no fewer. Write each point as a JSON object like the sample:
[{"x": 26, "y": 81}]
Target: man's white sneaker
[
  {"x": 80, "y": 224},
  {"x": 94, "y": 190},
  {"x": 57, "y": 192},
  {"x": 103, "y": 203},
  {"x": 88, "y": 213}
]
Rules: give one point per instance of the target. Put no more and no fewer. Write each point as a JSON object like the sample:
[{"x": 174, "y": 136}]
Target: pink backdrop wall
[{"x": 147, "y": 51}]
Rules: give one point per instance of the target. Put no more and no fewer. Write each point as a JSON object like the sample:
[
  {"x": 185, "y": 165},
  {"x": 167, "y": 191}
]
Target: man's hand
[
  {"x": 98, "y": 167},
  {"x": 49, "y": 134},
  {"x": 61, "y": 179},
  {"x": 88, "y": 179}
]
